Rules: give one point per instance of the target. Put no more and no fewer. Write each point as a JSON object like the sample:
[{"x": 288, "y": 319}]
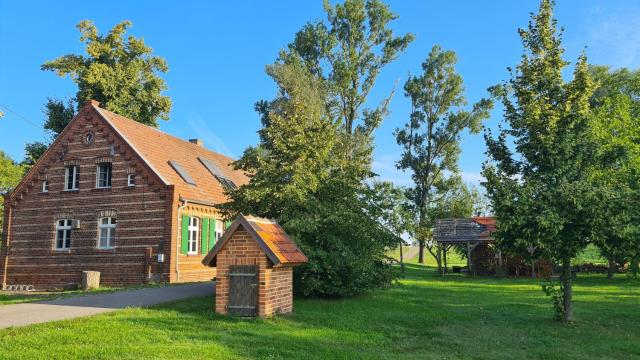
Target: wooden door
[{"x": 243, "y": 290}]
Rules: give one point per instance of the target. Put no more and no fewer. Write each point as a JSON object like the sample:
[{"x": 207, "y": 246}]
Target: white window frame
[
  {"x": 131, "y": 180},
  {"x": 109, "y": 178},
  {"x": 219, "y": 230},
  {"x": 63, "y": 225},
  {"x": 45, "y": 186},
  {"x": 74, "y": 181},
  {"x": 110, "y": 229},
  {"x": 193, "y": 234}
]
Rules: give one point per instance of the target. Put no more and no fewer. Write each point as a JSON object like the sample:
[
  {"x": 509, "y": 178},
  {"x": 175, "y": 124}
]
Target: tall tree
[
  {"x": 348, "y": 51},
  {"x": 10, "y": 175},
  {"x": 119, "y": 71},
  {"x": 616, "y": 129},
  {"x": 538, "y": 184},
  {"x": 298, "y": 177},
  {"x": 431, "y": 138}
]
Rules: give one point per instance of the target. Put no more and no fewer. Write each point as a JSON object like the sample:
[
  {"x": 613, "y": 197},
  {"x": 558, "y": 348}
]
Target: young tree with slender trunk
[
  {"x": 539, "y": 165},
  {"x": 431, "y": 138}
]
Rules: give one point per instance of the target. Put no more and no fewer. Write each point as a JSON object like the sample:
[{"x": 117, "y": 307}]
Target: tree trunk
[
  {"x": 421, "y": 251},
  {"x": 612, "y": 268},
  {"x": 568, "y": 293},
  {"x": 439, "y": 258},
  {"x": 444, "y": 257},
  {"x": 401, "y": 259}
]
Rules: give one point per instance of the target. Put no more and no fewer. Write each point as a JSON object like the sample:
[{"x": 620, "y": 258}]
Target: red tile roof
[
  {"x": 158, "y": 148},
  {"x": 276, "y": 244},
  {"x": 488, "y": 222}
]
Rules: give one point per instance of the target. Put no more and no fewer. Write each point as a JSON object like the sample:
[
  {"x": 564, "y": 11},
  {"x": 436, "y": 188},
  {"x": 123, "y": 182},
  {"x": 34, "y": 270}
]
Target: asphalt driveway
[{"x": 73, "y": 307}]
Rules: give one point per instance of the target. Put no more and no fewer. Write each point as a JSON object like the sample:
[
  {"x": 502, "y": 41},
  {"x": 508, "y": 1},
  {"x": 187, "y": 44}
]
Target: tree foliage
[
  {"x": 10, "y": 175},
  {"x": 311, "y": 167},
  {"x": 120, "y": 72},
  {"x": 538, "y": 173},
  {"x": 431, "y": 139},
  {"x": 298, "y": 177},
  {"x": 615, "y": 125}
]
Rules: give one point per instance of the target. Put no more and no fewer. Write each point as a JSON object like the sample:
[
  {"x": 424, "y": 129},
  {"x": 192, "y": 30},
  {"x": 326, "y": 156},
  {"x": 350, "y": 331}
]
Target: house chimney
[{"x": 198, "y": 142}]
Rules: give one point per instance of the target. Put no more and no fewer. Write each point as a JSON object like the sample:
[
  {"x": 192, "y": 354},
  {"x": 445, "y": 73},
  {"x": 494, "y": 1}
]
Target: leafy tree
[
  {"x": 616, "y": 129},
  {"x": 311, "y": 167},
  {"x": 539, "y": 183},
  {"x": 431, "y": 138},
  {"x": 121, "y": 73},
  {"x": 348, "y": 51},
  {"x": 394, "y": 210},
  {"x": 298, "y": 177},
  {"x": 58, "y": 115},
  {"x": 10, "y": 175}
]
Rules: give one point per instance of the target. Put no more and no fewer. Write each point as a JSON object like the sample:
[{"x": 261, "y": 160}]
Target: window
[
  {"x": 219, "y": 175},
  {"x": 131, "y": 180},
  {"x": 103, "y": 176},
  {"x": 45, "y": 186},
  {"x": 182, "y": 172},
  {"x": 71, "y": 178},
  {"x": 106, "y": 232},
  {"x": 63, "y": 234},
  {"x": 219, "y": 230},
  {"x": 192, "y": 245}
]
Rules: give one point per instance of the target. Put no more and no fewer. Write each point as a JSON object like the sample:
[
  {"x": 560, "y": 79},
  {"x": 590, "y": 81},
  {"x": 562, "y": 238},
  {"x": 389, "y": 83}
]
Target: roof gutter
[{"x": 199, "y": 202}]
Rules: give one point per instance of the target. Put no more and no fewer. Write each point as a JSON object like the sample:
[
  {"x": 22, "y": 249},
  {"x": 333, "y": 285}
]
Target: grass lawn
[{"x": 424, "y": 316}]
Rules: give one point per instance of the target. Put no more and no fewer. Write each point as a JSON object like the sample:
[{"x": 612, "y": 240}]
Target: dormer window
[
  {"x": 131, "y": 180},
  {"x": 45, "y": 186},
  {"x": 103, "y": 176},
  {"x": 71, "y": 178}
]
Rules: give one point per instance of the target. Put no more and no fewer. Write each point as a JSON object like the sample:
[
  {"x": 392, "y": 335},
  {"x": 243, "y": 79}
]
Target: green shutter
[
  {"x": 205, "y": 236},
  {"x": 227, "y": 224},
  {"x": 185, "y": 234}
]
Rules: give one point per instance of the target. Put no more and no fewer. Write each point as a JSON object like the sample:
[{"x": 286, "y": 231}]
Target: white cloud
[{"x": 204, "y": 132}]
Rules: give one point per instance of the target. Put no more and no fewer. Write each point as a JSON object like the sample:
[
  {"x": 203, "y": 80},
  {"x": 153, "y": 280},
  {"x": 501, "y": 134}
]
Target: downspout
[{"x": 178, "y": 230}]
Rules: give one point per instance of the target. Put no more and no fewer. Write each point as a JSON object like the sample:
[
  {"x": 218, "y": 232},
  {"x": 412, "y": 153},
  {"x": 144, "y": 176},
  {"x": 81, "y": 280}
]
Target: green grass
[
  {"x": 590, "y": 254},
  {"x": 424, "y": 316}
]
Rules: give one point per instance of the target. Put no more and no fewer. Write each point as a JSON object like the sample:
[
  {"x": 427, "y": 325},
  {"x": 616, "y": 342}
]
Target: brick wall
[
  {"x": 31, "y": 258},
  {"x": 275, "y": 284}
]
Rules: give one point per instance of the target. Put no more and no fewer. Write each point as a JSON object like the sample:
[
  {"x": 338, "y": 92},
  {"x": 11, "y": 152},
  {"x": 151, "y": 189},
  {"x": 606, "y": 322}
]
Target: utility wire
[{"x": 20, "y": 116}]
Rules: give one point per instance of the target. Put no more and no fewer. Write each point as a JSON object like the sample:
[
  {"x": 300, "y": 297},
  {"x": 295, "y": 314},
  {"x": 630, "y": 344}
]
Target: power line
[{"x": 20, "y": 116}]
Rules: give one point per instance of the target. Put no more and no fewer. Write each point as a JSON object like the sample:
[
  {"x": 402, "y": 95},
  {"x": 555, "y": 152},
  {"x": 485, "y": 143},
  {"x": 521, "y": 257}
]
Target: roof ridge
[{"x": 136, "y": 123}]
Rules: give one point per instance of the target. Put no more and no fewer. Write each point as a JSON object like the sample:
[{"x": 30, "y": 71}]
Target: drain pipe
[{"x": 184, "y": 204}]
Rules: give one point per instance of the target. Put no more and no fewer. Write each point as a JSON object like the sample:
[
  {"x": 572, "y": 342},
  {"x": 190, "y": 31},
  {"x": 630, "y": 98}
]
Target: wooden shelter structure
[{"x": 471, "y": 232}]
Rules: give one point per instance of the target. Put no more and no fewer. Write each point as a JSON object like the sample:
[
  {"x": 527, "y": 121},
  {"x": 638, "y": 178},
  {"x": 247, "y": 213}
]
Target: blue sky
[{"x": 217, "y": 51}]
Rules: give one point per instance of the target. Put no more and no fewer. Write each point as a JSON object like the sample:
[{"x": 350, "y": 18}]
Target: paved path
[{"x": 73, "y": 307}]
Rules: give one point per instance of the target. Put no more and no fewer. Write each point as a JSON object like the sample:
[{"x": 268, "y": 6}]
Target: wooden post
[{"x": 468, "y": 258}]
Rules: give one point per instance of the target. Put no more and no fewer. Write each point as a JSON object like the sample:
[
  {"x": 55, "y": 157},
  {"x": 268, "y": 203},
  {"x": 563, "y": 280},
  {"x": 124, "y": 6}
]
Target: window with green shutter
[
  {"x": 204, "y": 248},
  {"x": 212, "y": 233},
  {"x": 184, "y": 243}
]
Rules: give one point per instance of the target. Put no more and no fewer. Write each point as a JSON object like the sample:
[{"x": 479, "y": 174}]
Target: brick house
[
  {"x": 254, "y": 259},
  {"x": 115, "y": 196}
]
